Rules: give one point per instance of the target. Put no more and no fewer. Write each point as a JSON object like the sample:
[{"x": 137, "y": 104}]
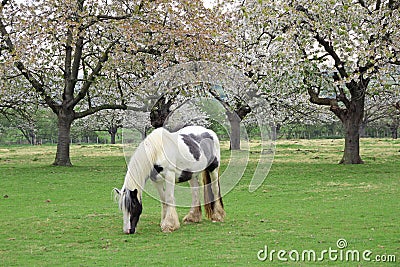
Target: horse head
[{"x": 131, "y": 208}]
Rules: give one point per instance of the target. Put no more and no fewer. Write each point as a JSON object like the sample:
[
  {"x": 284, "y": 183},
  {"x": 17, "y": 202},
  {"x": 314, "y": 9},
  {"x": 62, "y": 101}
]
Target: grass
[{"x": 55, "y": 216}]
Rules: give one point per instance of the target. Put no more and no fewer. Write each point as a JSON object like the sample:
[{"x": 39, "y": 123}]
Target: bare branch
[
  {"x": 362, "y": 3},
  {"x": 343, "y": 98},
  {"x": 378, "y": 4},
  {"x": 328, "y": 46},
  {"x": 100, "y": 18},
  {"x": 90, "y": 111},
  {"x": 313, "y": 92},
  {"x": 339, "y": 64},
  {"x": 121, "y": 93},
  {"x": 3, "y": 30},
  {"x": 96, "y": 72},
  {"x": 397, "y": 105},
  {"x": 151, "y": 51}
]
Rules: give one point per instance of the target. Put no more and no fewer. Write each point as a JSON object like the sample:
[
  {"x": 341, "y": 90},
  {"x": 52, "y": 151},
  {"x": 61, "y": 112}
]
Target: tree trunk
[
  {"x": 113, "y": 132},
  {"x": 351, "y": 115},
  {"x": 65, "y": 119},
  {"x": 351, "y": 144},
  {"x": 394, "y": 130},
  {"x": 161, "y": 110},
  {"x": 113, "y": 138},
  {"x": 352, "y": 120},
  {"x": 144, "y": 132},
  {"x": 275, "y": 131},
  {"x": 394, "y": 134},
  {"x": 234, "y": 122},
  {"x": 32, "y": 136},
  {"x": 363, "y": 127}
]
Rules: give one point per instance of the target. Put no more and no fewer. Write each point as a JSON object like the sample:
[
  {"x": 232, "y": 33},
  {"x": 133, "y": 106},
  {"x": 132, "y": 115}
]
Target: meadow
[{"x": 60, "y": 216}]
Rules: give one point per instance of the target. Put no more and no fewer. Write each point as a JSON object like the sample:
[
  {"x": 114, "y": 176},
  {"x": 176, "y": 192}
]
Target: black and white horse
[{"x": 167, "y": 158}]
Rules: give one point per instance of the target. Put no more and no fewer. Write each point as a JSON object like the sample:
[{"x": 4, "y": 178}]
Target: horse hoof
[
  {"x": 191, "y": 219},
  {"x": 169, "y": 228},
  {"x": 217, "y": 218}
]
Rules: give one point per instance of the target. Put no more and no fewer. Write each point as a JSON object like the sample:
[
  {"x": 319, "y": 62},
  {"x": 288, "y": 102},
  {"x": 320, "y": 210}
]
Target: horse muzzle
[{"x": 130, "y": 231}]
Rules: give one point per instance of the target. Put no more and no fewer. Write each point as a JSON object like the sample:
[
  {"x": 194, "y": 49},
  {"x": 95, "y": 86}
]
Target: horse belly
[{"x": 185, "y": 176}]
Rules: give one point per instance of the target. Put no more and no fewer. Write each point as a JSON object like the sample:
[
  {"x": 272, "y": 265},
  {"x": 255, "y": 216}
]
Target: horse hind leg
[
  {"x": 194, "y": 215},
  {"x": 212, "y": 196},
  {"x": 218, "y": 214}
]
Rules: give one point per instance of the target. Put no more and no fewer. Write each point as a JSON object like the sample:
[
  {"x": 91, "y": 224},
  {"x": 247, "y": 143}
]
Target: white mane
[{"x": 143, "y": 159}]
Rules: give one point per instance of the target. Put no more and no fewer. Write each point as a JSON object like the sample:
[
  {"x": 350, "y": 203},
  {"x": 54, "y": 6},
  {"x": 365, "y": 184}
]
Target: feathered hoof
[
  {"x": 168, "y": 228},
  {"x": 217, "y": 219},
  {"x": 192, "y": 218},
  {"x": 218, "y": 216}
]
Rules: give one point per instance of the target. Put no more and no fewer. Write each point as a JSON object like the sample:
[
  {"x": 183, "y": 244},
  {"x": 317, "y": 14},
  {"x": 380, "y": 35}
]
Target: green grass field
[{"x": 56, "y": 216}]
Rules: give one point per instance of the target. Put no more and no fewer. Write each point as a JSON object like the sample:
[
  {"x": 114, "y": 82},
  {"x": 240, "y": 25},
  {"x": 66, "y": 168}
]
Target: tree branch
[
  {"x": 151, "y": 51},
  {"x": 121, "y": 93},
  {"x": 68, "y": 93},
  {"x": 395, "y": 62},
  {"x": 397, "y": 105},
  {"x": 325, "y": 101},
  {"x": 39, "y": 88},
  {"x": 342, "y": 97},
  {"x": 100, "y": 18},
  {"x": 339, "y": 64},
  {"x": 217, "y": 96},
  {"x": 378, "y": 4},
  {"x": 90, "y": 111},
  {"x": 362, "y": 3},
  {"x": 322, "y": 101},
  {"x": 96, "y": 71},
  {"x": 76, "y": 63}
]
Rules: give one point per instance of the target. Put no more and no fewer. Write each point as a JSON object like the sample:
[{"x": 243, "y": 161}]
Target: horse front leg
[
  {"x": 159, "y": 184},
  {"x": 194, "y": 215},
  {"x": 171, "y": 220}
]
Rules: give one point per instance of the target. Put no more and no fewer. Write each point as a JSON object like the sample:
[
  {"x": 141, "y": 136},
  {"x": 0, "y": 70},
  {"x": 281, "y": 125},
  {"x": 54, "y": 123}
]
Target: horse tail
[
  {"x": 208, "y": 194},
  {"x": 213, "y": 205}
]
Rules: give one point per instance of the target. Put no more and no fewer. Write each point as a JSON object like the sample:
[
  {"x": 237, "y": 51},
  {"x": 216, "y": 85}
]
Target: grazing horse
[{"x": 167, "y": 158}]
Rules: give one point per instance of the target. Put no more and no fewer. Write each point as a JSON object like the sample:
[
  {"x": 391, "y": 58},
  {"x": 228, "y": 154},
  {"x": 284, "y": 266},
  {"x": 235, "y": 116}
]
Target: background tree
[
  {"x": 380, "y": 111},
  {"x": 72, "y": 53},
  {"x": 103, "y": 121},
  {"x": 20, "y": 108},
  {"x": 331, "y": 50}
]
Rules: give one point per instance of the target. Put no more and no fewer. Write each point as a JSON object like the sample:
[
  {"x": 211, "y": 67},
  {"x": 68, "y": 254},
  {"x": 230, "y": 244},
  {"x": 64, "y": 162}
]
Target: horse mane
[{"x": 142, "y": 161}]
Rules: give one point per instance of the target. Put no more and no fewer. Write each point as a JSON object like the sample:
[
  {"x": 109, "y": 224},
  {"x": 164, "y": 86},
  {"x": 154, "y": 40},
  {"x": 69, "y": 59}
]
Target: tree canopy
[
  {"x": 84, "y": 56},
  {"x": 331, "y": 50},
  {"x": 80, "y": 57}
]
